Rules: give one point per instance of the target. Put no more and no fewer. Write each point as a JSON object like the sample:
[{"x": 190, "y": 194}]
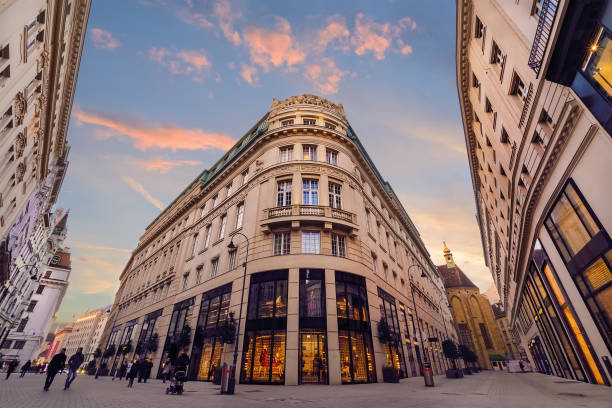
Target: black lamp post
[
  {"x": 244, "y": 265},
  {"x": 416, "y": 312}
]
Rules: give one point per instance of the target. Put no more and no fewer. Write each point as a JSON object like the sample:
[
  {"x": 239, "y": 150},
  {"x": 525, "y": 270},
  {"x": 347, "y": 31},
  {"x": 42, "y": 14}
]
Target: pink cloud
[
  {"x": 103, "y": 39},
  {"x": 273, "y": 47},
  {"x": 222, "y": 11},
  {"x": 408, "y": 24},
  {"x": 162, "y": 165},
  {"x": 406, "y": 50},
  {"x": 182, "y": 62},
  {"x": 194, "y": 18},
  {"x": 334, "y": 32},
  {"x": 371, "y": 37},
  {"x": 326, "y": 76},
  {"x": 163, "y": 136},
  {"x": 249, "y": 74}
]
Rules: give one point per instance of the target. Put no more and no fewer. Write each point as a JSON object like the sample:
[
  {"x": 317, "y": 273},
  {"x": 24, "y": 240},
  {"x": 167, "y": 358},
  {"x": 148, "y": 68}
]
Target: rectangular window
[
  {"x": 22, "y": 325},
  {"x": 485, "y": 336},
  {"x": 232, "y": 259},
  {"x": 504, "y": 136},
  {"x": 311, "y": 122},
  {"x": 185, "y": 281},
  {"x": 282, "y": 243},
  {"x": 518, "y": 87},
  {"x": 310, "y": 192},
  {"x": 245, "y": 177},
  {"x": 338, "y": 245},
  {"x": 478, "y": 28},
  {"x": 207, "y": 237},
  {"x": 283, "y": 193},
  {"x": 497, "y": 56},
  {"x": 597, "y": 65},
  {"x": 215, "y": 200},
  {"x": 331, "y": 157},
  {"x": 202, "y": 214},
  {"x": 311, "y": 242},
  {"x": 229, "y": 190},
  {"x": 330, "y": 126},
  {"x": 198, "y": 278},
  {"x": 222, "y": 226},
  {"x": 193, "y": 244},
  {"x": 18, "y": 345},
  {"x": 240, "y": 215},
  {"x": 286, "y": 154},
  {"x": 310, "y": 152},
  {"x": 475, "y": 81},
  {"x": 488, "y": 106},
  {"x": 335, "y": 196},
  {"x": 214, "y": 266},
  {"x": 287, "y": 122},
  {"x": 32, "y": 305},
  {"x": 40, "y": 289}
]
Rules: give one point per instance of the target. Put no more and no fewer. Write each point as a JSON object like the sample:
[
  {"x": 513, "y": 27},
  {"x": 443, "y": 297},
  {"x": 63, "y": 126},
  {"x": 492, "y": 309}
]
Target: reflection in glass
[
  {"x": 599, "y": 64},
  {"x": 313, "y": 358}
]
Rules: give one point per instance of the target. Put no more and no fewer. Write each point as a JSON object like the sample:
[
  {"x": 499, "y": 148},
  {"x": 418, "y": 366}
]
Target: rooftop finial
[{"x": 448, "y": 256}]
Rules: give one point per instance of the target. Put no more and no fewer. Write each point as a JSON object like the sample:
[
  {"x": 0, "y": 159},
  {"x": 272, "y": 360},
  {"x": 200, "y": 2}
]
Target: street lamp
[
  {"x": 244, "y": 265},
  {"x": 423, "y": 275}
]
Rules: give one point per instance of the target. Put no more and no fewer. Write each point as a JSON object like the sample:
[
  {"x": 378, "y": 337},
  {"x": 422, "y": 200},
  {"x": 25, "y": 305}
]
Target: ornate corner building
[
  {"x": 40, "y": 50},
  {"x": 331, "y": 254},
  {"x": 535, "y": 95}
]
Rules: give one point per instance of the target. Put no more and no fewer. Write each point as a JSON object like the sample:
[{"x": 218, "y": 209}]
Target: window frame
[
  {"x": 285, "y": 153},
  {"x": 282, "y": 243},
  {"x": 284, "y": 195},
  {"x": 310, "y": 194},
  {"x": 308, "y": 238}
]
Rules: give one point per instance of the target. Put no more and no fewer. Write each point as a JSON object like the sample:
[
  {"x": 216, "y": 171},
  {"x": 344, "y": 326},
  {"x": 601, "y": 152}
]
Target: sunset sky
[{"x": 165, "y": 87}]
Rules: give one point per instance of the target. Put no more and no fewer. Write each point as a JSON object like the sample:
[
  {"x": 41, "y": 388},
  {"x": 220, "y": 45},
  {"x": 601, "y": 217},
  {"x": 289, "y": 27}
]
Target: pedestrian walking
[
  {"x": 56, "y": 364},
  {"x": 182, "y": 361},
  {"x": 132, "y": 373},
  {"x": 25, "y": 368},
  {"x": 141, "y": 368},
  {"x": 74, "y": 363},
  {"x": 166, "y": 371},
  {"x": 146, "y": 369},
  {"x": 11, "y": 367},
  {"x": 122, "y": 370}
]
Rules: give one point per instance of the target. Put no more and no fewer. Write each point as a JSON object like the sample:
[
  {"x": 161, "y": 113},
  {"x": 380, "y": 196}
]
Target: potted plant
[
  {"x": 152, "y": 343},
  {"x": 450, "y": 351},
  {"x": 387, "y": 337}
]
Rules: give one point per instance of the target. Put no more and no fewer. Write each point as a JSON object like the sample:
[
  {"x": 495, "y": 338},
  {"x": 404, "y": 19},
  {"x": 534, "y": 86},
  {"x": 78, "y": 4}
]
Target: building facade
[
  {"x": 330, "y": 255},
  {"x": 510, "y": 340},
  {"x": 40, "y": 50},
  {"x": 472, "y": 313},
  {"x": 60, "y": 341},
  {"x": 86, "y": 332},
  {"x": 536, "y": 111}
]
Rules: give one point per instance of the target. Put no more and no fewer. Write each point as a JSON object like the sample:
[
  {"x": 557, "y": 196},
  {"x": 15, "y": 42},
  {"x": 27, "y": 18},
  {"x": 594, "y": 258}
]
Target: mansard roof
[{"x": 454, "y": 277}]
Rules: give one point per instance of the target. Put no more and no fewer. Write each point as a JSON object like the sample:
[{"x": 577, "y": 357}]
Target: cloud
[
  {"x": 194, "y": 18},
  {"x": 103, "y": 39},
  {"x": 408, "y": 24},
  {"x": 162, "y": 165},
  {"x": 95, "y": 275},
  {"x": 249, "y": 74},
  {"x": 182, "y": 62},
  {"x": 273, "y": 47},
  {"x": 163, "y": 136},
  {"x": 222, "y": 11},
  {"x": 335, "y": 32},
  {"x": 139, "y": 188},
  {"x": 371, "y": 37},
  {"x": 407, "y": 49},
  {"x": 325, "y": 76}
]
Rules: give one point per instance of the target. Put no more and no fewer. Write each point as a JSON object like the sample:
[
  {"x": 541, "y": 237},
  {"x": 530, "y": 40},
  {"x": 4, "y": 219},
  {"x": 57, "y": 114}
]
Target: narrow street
[{"x": 486, "y": 389}]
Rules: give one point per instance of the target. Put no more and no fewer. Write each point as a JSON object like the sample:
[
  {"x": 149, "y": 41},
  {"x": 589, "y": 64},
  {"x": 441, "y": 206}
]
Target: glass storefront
[
  {"x": 208, "y": 342},
  {"x": 178, "y": 332},
  {"x": 263, "y": 359},
  {"x": 393, "y": 350},
  {"x": 313, "y": 324},
  {"x": 354, "y": 332},
  {"x": 408, "y": 342},
  {"x": 598, "y": 66},
  {"x": 148, "y": 328}
]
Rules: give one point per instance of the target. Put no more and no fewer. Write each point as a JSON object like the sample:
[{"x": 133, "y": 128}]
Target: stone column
[
  {"x": 333, "y": 348},
  {"x": 293, "y": 327}
]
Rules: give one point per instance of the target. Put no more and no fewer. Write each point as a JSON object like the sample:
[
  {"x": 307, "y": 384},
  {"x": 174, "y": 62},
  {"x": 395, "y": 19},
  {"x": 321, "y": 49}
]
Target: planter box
[
  {"x": 452, "y": 373},
  {"x": 390, "y": 375},
  {"x": 467, "y": 371}
]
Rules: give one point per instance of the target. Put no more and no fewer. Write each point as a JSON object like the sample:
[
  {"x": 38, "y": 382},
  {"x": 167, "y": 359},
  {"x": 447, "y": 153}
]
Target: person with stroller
[
  {"x": 166, "y": 370},
  {"x": 179, "y": 376}
]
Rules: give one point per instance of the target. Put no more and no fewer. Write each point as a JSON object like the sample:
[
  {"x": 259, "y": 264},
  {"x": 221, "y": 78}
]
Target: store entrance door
[{"x": 313, "y": 358}]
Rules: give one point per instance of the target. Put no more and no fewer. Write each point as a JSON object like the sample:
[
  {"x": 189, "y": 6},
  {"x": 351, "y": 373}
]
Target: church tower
[{"x": 448, "y": 257}]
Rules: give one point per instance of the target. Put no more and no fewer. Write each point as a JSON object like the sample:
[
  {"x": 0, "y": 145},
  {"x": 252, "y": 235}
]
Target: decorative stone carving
[
  {"x": 20, "y": 173},
  {"x": 39, "y": 136},
  {"x": 306, "y": 99},
  {"x": 43, "y": 60},
  {"x": 20, "y": 105},
  {"x": 20, "y": 144}
]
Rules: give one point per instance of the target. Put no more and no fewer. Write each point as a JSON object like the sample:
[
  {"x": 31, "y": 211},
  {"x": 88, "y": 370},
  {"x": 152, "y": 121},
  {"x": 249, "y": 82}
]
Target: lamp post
[
  {"x": 416, "y": 312},
  {"x": 244, "y": 265}
]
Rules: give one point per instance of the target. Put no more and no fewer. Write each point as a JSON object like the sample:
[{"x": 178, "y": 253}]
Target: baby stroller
[{"x": 176, "y": 383}]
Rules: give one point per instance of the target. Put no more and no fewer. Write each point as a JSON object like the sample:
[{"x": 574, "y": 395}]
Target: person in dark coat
[
  {"x": 73, "y": 365},
  {"x": 133, "y": 373},
  {"x": 141, "y": 368},
  {"x": 25, "y": 368},
  {"x": 122, "y": 370},
  {"x": 11, "y": 367},
  {"x": 147, "y": 365},
  {"x": 182, "y": 361},
  {"x": 57, "y": 363}
]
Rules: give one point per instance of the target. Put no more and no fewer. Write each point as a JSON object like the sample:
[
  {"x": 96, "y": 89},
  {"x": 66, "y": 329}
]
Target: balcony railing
[
  {"x": 310, "y": 211},
  {"x": 547, "y": 16}
]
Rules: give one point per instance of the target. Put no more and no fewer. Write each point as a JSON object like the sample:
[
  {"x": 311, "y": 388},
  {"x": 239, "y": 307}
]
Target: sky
[{"x": 165, "y": 87}]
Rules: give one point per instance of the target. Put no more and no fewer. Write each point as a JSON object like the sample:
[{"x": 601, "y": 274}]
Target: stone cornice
[{"x": 306, "y": 101}]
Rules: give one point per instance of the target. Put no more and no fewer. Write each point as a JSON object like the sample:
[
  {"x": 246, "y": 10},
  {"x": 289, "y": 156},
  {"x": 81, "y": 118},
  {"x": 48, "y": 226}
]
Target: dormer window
[
  {"x": 287, "y": 122},
  {"x": 330, "y": 126},
  {"x": 310, "y": 121}
]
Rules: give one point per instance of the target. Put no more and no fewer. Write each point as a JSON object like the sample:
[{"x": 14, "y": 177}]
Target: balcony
[
  {"x": 546, "y": 20},
  {"x": 296, "y": 214}
]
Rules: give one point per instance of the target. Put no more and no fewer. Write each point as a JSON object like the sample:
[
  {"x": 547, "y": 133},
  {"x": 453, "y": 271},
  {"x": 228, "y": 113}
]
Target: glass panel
[
  {"x": 573, "y": 232},
  {"x": 225, "y": 302},
  {"x": 341, "y": 305},
  {"x": 313, "y": 360},
  {"x": 599, "y": 64},
  {"x": 261, "y": 360},
  {"x": 247, "y": 357},
  {"x": 345, "y": 356},
  {"x": 310, "y": 298},
  {"x": 253, "y": 299},
  {"x": 580, "y": 208},
  {"x": 598, "y": 275},
  {"x": 278, "y": 359},
  {"x": 266, "y": 300},
  {"x": 583, "y": 345},
  {"x": 281, "y": 298},
  {"x": 205, "y": 370},
  {"x": 213, "y": 314},
  {"x": 360, "y": 363},
  {"x": 216, "y": 357}
]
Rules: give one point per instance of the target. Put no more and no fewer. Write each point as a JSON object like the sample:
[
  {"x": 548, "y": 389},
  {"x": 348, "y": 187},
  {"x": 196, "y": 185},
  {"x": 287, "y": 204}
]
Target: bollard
[
  {"x": 226, "y": 382},
  {"x": 428, "y": 374}
]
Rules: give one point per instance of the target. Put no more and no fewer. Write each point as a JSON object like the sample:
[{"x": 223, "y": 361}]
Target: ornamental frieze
[
  {"x": 43, "y": 60},
  {"x": 20, "y": 105},
  {"x": 306, "y": 99},
  {"x": 20, "y": 144},
  {"x": 20, "y": 172}
]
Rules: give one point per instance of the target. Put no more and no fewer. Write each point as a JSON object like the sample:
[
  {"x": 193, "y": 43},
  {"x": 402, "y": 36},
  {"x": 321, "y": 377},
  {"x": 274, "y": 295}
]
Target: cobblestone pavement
[{"x": 485, "y": 389}]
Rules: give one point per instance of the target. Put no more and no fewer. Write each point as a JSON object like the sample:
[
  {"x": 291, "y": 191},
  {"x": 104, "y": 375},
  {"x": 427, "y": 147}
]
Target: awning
[{"x": 496, "y": 357}]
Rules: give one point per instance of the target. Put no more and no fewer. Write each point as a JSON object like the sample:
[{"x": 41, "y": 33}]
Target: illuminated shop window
[{"x": 598, "y": 65}]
